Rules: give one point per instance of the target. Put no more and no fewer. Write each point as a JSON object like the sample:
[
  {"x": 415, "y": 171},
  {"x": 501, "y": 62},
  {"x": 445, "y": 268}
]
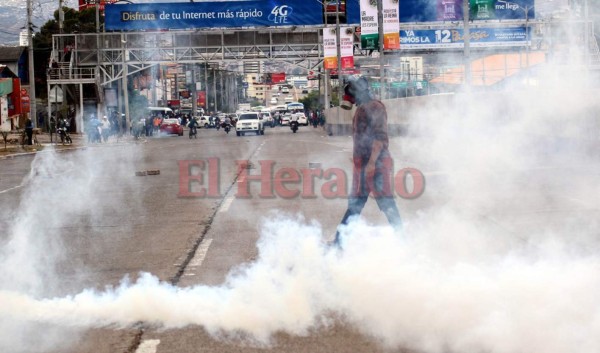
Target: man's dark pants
[{"x": 381, "y": 188}]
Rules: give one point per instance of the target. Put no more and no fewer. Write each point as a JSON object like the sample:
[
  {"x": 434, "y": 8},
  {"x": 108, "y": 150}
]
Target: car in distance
[
  {"x": 267, "y": 118},
  {"x": 302, "y": 119},
  {"x": 274, "y": 100},
  {"x": 285, "y": 119},
  {"x": 249, "y": 122},
  {"x": 171, "y": 127},
  {"x": 205, "y": 121}
]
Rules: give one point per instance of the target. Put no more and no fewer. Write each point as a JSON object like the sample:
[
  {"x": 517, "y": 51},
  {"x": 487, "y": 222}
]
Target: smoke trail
[
  {"x": 391, "y": 287},
  {"x": 60, "y": 193}
]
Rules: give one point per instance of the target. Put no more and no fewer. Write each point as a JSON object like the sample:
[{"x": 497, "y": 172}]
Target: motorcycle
[
  {"x": 64, "y": 135},
  {"x": 294, "y": 125},
  {"x": 193, "y": 132},
  {"x": 227, "y": 127}
]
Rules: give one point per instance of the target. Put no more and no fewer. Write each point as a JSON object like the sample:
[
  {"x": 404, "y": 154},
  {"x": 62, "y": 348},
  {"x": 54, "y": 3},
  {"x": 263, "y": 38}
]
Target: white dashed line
[
  {"x": 226, "y": 204},
  {"x": 10, "y": 189},
  {"x": 147, "y": 346},
  {"x": 200, "y": 255}
]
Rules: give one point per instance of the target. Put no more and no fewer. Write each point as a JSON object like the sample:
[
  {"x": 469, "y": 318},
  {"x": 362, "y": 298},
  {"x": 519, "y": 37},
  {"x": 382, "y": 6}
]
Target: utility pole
[
  {"x": 215, "y": 89},
  {"x": 467, "y": 44},
  {"x": 381, "y": 50},
  {"x": 194, "y": 91},
  {"x": 32, "y": 110},
  {"x": 339, "y": 51},
  {"x": 586, "y": 41}
]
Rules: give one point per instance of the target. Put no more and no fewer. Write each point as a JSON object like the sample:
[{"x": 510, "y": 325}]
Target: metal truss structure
[
  {"x": 117, "y": 53},
  {"x": 110, "y": 52}
]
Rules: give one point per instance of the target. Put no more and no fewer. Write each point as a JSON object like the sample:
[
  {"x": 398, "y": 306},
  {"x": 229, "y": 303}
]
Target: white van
[
  {"x": 155, "y": 111},
  {"x": 267, "y": 117}
]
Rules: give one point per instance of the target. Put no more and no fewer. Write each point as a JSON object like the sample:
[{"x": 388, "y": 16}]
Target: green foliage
[{"x": 311, "y": 100}]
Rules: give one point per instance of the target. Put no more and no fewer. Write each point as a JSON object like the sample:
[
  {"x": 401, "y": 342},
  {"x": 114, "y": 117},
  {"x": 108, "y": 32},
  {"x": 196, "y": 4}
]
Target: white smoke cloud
[{"x": 394, "y": 288}]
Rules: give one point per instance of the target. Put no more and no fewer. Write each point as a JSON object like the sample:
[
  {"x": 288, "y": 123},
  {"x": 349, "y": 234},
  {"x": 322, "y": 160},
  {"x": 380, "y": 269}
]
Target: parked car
[
  {"x": 249, "y": 122},
  {"x": 171, "y": 127}
]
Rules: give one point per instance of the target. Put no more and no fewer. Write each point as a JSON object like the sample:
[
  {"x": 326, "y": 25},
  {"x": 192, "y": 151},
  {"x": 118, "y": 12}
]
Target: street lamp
[{"x": 526, "y": 9}]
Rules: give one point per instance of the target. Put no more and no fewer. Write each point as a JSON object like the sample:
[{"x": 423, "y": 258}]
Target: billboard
[
  {"x": 329, "y": 48},
  {"x": 453, "y": 38},
  {"x": 88, "y": 4},
  {"x": 369, "y": 25},
  {"x": 214, "y": 14},
  {"x": 451, "y": 10},
  {"x": 391, "y": 24}
]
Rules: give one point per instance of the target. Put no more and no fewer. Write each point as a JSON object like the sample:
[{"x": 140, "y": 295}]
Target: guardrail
[{"x": 66, "y": 73}]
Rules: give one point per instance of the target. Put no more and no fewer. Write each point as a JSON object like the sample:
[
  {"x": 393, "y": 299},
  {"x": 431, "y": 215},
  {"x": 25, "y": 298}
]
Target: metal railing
[{"x": 69, "y": 73}]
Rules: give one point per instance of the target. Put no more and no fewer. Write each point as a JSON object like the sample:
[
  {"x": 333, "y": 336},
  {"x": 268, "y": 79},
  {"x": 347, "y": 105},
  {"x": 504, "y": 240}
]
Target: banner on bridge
[
  {"x": 214, "y": 14},
  {"x": 452, "y": 10},
  {"x": 453, "y": 38}
]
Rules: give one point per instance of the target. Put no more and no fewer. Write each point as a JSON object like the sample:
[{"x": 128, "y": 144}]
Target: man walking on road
[{"x": 372, "y": 163}]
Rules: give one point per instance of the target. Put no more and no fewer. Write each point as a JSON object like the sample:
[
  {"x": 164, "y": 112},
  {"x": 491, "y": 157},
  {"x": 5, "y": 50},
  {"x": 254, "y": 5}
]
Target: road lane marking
[
  {"x": 147, "y": 346},
  {"x": 200, "y": 254},
  {"x": 10, "y": 189},
  {"x": 226, "y": 204}
]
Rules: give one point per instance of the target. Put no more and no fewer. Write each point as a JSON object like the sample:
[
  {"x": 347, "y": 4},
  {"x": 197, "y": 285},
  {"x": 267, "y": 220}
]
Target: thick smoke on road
[
  {"x": 504, "y": 258},
  {"x": 61, "y": 195}
]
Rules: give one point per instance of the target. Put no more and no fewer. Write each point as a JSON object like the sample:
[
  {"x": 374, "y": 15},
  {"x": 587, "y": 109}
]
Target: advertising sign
[
  {"x": 25, "y": 106},
  {"x": 201, "y": 102},
  {"x": 4, "y": 121},
  {"x": 214, "y": 14},
  {"x": 449, "y": 10},
  {"x": 482, "y": 9},
  {"x": 453, "y": 38},
  {"x": 329, "y": 48},
  {"x": 391, "y": 24},
  {"x": 277, "y": 77},
  {"x": 88, "y": 4},
  {"x": 369, "y": 26},
  {"x": 347, "y": 47}
]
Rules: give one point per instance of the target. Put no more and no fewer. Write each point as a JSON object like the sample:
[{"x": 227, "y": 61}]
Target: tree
[{"x": 311, "y": 100}]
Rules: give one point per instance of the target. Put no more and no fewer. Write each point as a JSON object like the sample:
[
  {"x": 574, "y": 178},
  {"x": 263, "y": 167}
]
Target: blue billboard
[
  {"x": 215, "y": 14},
  {"x": 452, "y": 10},
  {"x": 454, "y": 38}
]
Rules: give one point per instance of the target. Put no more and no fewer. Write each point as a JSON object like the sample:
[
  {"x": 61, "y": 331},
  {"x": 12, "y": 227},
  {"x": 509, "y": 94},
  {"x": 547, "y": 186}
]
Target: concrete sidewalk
[{"x": 44, "y": 140}]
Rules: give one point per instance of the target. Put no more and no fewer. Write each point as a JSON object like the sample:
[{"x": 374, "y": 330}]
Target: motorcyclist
[
  {"x": 61, "y": 130},
  {"x": 294, "y": 122},
  {"x": 193, "y": 125}
]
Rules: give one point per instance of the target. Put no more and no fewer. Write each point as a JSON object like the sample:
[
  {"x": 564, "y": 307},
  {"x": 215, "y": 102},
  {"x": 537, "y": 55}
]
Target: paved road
[{"x": 90, "y": 221}]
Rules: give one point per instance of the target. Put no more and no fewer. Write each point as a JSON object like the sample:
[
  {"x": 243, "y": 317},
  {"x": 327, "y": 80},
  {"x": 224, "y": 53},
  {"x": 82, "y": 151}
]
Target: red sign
[
  {"x": 277, "y": 78},
  {"x": 88, "y": 4},
  {"x": 25, "y": 108},
  {"x": 173, "y": 103},
  {"x": 202, "y": 99}
]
